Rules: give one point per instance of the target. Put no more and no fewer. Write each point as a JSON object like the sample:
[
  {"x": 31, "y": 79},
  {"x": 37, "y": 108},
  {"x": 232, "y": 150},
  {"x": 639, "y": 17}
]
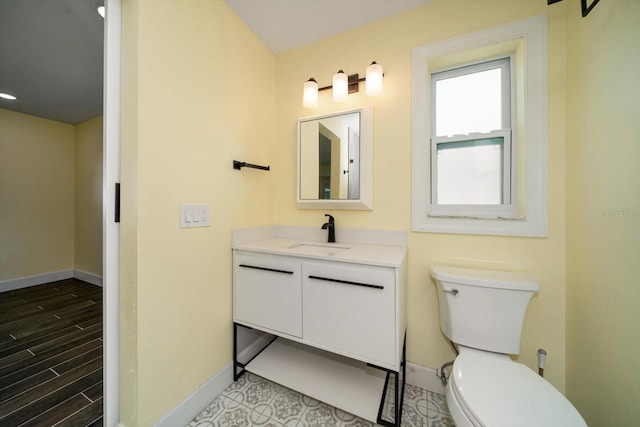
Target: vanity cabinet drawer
[
  {"x": 350, "y": 308},
  {"x": 267, "y": 293}
]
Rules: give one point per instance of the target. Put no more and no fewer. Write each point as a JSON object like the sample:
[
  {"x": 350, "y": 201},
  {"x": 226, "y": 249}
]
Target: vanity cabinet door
[
  {"x": 350, "y": 308},
  {"x": 267, "y": 293}
]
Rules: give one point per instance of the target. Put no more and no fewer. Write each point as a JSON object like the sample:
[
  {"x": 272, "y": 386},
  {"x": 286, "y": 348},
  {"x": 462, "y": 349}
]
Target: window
[
  {"x": 471, "y": 171},
  {"x": 474, "y": 98},
  {"x": 480, "y": 132},
  {"x": 471, "y": 144}
]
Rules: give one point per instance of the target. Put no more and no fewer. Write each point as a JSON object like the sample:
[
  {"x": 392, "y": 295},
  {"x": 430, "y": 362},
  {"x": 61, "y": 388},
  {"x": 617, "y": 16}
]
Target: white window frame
[
  {"x": 507, "y": 208},
  {"x": 532, "y": 221}
]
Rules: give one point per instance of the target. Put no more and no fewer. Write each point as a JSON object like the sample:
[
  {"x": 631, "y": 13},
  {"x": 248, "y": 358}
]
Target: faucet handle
[{"x": 331, "y": 220}]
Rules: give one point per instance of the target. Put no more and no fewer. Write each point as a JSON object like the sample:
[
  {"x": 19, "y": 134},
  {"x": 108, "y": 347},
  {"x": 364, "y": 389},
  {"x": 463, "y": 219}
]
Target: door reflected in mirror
[
  {"x": 332, "y": 151},
  {"x": 334, "y": 142}
]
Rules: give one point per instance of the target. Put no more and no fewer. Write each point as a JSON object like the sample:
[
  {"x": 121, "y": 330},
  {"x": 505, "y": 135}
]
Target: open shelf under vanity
[{"x": 351, "y": 385}]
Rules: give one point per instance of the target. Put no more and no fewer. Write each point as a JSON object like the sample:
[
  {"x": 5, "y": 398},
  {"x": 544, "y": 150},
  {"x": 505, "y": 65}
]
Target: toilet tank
[{"x": 483, "y": 309}]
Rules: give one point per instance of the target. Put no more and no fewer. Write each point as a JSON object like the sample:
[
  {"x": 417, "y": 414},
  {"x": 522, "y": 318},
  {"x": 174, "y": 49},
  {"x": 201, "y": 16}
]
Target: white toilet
[{"x": 482, "y": 312}]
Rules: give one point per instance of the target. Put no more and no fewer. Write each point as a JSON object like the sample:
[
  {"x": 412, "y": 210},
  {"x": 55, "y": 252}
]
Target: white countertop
[{"x": 370, "y": 254}]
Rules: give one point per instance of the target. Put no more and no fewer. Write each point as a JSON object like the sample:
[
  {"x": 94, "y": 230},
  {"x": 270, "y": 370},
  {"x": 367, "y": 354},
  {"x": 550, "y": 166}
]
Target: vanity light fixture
[{"x": 343, "y": 85}]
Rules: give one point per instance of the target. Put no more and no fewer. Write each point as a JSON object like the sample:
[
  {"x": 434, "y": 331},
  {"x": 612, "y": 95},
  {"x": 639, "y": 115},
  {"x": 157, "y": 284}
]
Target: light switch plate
[{"x": 195, "y": 216}]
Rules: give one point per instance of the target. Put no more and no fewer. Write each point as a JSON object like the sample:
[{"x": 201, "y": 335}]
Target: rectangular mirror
[{"x": 335, "y": 161}]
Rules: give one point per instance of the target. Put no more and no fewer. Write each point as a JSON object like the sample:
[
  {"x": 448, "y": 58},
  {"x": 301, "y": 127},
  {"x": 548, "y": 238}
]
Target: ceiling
[
  {"x": 286, "y": 24},
  {"x": 51, "y": 58},
  {"x": 51, "y": 50}
]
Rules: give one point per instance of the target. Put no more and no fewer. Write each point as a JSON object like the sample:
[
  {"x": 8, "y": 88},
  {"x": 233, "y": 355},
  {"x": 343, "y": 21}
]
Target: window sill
[{"x": 521, "y": 227}]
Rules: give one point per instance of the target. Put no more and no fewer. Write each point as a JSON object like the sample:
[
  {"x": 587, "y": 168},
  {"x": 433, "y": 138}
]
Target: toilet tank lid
[{"x": 484, "y": 278}]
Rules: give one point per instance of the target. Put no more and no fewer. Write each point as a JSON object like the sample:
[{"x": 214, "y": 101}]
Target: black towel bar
[{"x": 239, "y": 165}]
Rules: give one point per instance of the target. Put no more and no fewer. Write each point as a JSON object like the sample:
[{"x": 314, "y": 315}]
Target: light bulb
[
  {"x": 340, "y": 86},
  {"x": 374, "y": 79},
  {"x": 310, "y": 94}
]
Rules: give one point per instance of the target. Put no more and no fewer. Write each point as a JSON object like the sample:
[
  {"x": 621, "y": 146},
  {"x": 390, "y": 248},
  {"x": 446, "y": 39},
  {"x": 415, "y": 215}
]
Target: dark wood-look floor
[{"x": 51, "y": 355}]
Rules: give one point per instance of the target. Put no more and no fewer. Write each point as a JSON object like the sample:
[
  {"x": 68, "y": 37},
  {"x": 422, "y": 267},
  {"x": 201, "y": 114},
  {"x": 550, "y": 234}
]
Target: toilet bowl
[{"x": 482, "y": 312}]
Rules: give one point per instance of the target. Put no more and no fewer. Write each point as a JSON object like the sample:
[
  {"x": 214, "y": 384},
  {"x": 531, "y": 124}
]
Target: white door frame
[{"x": 111, "y": 229}]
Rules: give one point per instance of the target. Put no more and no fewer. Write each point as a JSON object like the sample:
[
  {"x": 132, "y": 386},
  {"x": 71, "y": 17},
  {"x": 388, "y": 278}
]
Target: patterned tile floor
[{"x": 253, "y": 400}]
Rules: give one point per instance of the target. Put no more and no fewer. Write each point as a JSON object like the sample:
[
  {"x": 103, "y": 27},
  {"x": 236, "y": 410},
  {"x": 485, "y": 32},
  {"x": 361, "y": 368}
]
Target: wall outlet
[{"x": 195, "y": 216}]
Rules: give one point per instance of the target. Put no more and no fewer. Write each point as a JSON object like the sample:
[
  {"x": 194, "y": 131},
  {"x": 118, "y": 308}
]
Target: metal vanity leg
[
  {"x": 398, "y": 394},
  {"x": 397, "y": 409},
  {"x": 236, "y": 364},
  {"x": 403, "y": 366},
  {"x": 401, "y": 375}
]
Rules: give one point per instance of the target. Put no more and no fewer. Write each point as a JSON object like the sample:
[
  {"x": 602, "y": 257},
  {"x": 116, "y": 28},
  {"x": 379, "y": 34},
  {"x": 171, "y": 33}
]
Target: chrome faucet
[{"x": 331, "y": 228}]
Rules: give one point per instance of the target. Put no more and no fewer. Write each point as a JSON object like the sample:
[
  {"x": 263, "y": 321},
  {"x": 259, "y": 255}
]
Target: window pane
[
  {"x": 470, "y": 172},
  {"x": 469, "y": 103}
]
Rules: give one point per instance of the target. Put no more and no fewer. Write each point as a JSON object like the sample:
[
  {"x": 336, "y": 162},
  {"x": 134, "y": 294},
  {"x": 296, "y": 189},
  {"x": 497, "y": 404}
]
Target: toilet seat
[{"x": 489, "y": 389}]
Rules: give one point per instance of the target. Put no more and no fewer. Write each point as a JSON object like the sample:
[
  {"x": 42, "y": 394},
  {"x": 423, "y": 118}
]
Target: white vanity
[{"x": 336, "y": 313}]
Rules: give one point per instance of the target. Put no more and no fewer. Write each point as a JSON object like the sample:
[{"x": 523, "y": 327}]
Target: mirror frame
[{"x": 365, "y": 202}]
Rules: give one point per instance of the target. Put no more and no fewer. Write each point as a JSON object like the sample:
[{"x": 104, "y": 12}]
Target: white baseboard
[
  {"x": 94, "y": 279},
  {"x": 25, "y": 282},
  {"x": 186, "y": 411},
  {"x": 39, "y": 279},
  {"x": 423, "y": 377}
]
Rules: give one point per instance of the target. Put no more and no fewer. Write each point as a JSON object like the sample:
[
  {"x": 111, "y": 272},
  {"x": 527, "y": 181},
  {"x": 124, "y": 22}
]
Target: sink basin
[{"x": 319, "y": 249}]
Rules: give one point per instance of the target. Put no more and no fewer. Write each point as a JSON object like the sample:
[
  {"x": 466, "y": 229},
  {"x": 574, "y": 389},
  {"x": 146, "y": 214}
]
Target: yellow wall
[
  {"x": 193, "y": 75},
  {"x": 36, "y": 195},
  {"x": 198, "y": 92},
  {"x": 390, "y": 43},
  {"x": 50, "y": 196},
  {"x": 603, "y": 212},
  {"x": 88, "y": 196}
]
